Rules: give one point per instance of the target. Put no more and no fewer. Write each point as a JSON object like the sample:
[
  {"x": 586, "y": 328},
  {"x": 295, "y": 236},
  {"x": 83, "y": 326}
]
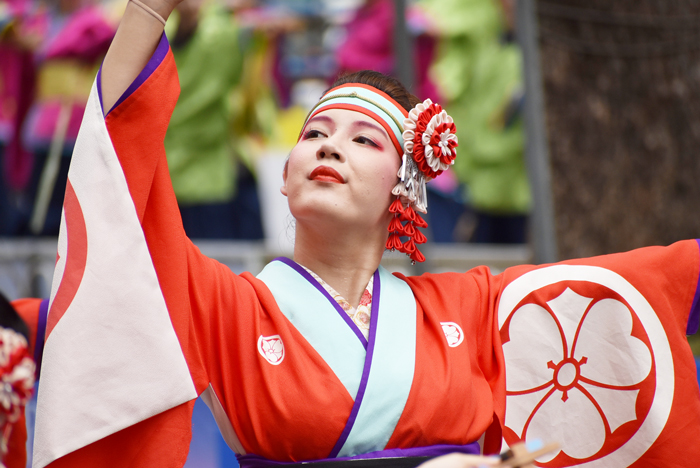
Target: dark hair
[
  {"x": 382, "y": 82},
  {"x": 9, "y": 318}
]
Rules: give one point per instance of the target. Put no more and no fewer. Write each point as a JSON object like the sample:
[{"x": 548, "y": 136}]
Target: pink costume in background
[
  {"x": 17, "y": 81},
  {"x": 68, "y": 62},
  {"x": 370, "y": 45}
]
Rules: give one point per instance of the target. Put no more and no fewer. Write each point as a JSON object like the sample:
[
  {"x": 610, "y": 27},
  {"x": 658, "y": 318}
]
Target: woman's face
[{"x": 342, "y": 170}]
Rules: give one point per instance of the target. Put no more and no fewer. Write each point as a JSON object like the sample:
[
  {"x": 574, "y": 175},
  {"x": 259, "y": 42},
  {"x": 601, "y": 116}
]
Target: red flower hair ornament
[
  {"x": 429, "y": 143},
  {"x": 16, "y": 382}
]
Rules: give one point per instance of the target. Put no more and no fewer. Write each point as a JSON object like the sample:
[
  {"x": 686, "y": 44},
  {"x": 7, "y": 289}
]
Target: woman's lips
[{"x": 326, "y": 174}]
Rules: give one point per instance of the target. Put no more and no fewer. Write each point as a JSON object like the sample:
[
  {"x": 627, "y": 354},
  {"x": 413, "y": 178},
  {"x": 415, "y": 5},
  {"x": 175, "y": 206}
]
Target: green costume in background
[
  {"x": 480, "y": 76},
  {"x": 198, "y": 143},
  {"x": 207, "y": 158}
]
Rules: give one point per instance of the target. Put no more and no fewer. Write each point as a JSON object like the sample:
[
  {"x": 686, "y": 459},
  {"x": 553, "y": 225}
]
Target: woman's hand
[
  {"x": 134, "y": 43},
  {"x": 460, "y": 460}
]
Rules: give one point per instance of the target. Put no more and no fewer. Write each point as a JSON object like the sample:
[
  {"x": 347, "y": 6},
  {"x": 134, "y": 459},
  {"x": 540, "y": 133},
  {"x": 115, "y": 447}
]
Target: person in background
[
  {"x": 209, "y": 179},
  {"x": 75, "y": 37},
  {"x": 21, "y": 23},
  {"x": 369, "y": 44},
  {"x": 479, "y": 71}
]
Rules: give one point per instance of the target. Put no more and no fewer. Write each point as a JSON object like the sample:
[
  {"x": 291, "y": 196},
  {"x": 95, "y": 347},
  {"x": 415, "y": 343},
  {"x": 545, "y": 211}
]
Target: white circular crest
[
  {"x": 657, "y": 416},
  {"x": 453, "y": 333},
  {"x": 271, "y": 348}
]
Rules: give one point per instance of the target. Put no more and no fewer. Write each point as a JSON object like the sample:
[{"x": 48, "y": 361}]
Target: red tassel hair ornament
[{"x": 398, "y": 229}]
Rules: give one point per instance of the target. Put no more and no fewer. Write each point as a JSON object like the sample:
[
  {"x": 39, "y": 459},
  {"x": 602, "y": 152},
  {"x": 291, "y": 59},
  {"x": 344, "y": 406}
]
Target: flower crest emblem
[
  {"x": 271, "y": 348},
  {"x": 429, "y": 137},
  {"x": 587, "y": 364}
]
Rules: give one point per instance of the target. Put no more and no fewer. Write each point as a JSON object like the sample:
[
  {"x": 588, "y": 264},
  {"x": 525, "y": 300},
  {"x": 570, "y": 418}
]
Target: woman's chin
[
  {"x": 325, "y": 216},
  {"x": 334, "y": 217},
  {"x": 339, "y": 213}
]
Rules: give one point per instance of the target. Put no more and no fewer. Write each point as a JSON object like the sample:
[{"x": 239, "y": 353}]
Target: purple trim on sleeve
[
  {"x": 40, "y": 335},
  {"x": 98, "y": 80},
  {"x": 300, "y": 269},
  {"x": 249, "y": 461},
  {"x": 694, "y": 316},
  {"x": 365, "y": 372},
  {"x": 154, "y": 62}
]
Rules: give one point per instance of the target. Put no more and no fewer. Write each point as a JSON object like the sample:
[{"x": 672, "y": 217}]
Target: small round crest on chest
[{"x": 453, "y": 333}]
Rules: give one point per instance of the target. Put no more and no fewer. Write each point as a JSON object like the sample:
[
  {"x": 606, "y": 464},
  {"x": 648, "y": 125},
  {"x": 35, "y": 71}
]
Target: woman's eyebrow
[
  {"x": 363, "y": 123},
  {"x": 322, "y": 118}
]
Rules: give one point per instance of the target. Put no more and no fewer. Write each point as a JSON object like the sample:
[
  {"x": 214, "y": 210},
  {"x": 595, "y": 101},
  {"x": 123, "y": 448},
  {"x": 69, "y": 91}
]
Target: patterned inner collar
[{"x": 361, "y": 315}]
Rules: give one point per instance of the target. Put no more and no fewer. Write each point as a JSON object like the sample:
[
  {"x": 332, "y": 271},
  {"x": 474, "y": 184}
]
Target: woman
[{"x": 146, "y": 323}]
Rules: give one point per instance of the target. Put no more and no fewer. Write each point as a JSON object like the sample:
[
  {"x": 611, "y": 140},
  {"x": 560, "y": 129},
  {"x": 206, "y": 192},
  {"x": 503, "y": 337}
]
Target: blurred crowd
[{"x": 249, "y": 71}]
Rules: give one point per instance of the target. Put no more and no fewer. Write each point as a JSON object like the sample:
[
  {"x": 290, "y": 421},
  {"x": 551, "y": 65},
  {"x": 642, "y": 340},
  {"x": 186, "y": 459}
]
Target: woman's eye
[
  {"x": 365, "y": 141},
  {"x": 312, "y": 134}
]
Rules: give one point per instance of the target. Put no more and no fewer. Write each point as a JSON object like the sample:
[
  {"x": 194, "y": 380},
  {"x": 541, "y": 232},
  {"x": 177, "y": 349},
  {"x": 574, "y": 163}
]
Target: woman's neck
[{"x": 346, "y": 259}]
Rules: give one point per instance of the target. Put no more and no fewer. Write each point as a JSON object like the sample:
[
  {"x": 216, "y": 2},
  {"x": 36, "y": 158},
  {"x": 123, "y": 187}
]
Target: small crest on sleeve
[
  {"x": 453, "y": 333},
  {"x": 271, "y": 348}
]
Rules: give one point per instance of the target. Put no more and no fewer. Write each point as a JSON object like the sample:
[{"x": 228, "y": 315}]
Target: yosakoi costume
[{"x": 141, "y": 323}]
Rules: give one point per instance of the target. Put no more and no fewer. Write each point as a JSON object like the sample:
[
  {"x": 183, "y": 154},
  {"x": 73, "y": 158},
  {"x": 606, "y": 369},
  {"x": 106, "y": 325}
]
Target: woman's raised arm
[{"x": 134, "y": 43}]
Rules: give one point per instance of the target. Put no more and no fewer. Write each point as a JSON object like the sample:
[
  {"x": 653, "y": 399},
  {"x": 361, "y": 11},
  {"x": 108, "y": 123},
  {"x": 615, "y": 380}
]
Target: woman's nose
[{"x": 328, "y": 151}]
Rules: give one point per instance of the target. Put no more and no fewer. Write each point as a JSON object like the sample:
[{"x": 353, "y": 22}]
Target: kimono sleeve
[
  {"x": 597, "y": 359},
  {"x": 132, "y": 296}
]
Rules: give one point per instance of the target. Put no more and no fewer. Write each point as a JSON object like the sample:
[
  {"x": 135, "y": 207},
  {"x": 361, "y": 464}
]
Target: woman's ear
[{"x": 283, "y": 189}]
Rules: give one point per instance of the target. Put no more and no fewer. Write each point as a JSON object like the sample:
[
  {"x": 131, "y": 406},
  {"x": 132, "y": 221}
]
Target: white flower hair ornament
[
  {"x": 16, "y": 382},
  {"x": 429, "y": 143}
]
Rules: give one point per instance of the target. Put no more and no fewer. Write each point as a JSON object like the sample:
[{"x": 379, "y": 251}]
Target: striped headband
[
  {"x": 424, "y": 137},
  {"x": 370, "y": 101}
]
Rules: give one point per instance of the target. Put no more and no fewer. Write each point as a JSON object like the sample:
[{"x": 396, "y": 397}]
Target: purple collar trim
[
  {"x": 249, "y": 461},
  {"x": 300, "y": 269},
  {"x": 694, "y": 316},
  {"x": 365, "y": 372},
  {"x": 153, "y": 63}
]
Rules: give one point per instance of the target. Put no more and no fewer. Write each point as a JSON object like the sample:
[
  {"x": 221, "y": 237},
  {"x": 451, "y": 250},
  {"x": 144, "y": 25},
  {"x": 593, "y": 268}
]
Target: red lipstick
[{"x": 326, "y": 174}]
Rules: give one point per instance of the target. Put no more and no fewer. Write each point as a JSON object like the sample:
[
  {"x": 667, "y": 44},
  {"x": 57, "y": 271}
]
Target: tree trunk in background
[{"x": 622, "y": 96}]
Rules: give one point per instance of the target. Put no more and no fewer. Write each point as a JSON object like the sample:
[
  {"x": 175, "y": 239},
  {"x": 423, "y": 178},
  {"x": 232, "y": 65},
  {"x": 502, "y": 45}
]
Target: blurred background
[{"x": 578, "y": 125}]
